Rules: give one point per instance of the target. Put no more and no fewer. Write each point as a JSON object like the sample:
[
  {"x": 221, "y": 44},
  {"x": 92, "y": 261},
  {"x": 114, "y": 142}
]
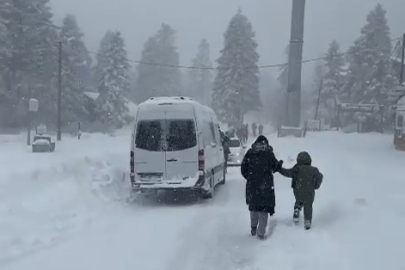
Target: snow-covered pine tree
[
  {"x": 76, "y": 71},
  {"x": 236, "y": 86},
  {"x": 332, "y": 82},
  {"x": 201, "y": 79},
  {"x": 31, "y": 64},
  {"x": 100, "y": 57},
  {"x": 369, "y": 70},
  {"x": 155, "y": 78},
  {"x": 113, "y": 67}
]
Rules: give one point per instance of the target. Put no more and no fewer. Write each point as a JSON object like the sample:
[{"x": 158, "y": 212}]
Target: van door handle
[{"x": 172, "y": 160}]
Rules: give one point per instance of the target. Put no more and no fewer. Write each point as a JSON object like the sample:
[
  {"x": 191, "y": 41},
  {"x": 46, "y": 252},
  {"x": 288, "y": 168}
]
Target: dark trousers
[{"x": 307, "y": 209}]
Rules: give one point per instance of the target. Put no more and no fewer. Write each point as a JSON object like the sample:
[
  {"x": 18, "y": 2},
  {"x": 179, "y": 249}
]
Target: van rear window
[
  {"x": 170, "y": 135},
  {"x": 181, "y": 135},
  {"x": 149, "y": 135}
]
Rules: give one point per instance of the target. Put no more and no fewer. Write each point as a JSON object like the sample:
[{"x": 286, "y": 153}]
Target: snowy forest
[{"x": 98, "y": 87}]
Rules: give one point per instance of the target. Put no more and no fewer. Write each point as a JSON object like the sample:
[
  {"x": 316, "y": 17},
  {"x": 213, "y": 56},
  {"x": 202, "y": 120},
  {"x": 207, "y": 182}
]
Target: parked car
[
  {"x": 238, "y": 151},
  {"x": 176, "y": 145}
]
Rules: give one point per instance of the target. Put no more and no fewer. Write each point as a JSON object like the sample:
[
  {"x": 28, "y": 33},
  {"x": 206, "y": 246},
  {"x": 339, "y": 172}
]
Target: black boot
[
  {"x": 253, "y": 231},
  {"x": 296, "y": 215},
  {"x": 307, "y": 224}
]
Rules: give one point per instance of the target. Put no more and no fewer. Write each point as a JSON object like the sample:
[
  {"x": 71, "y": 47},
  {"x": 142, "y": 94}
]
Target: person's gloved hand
[{"x": 279, "y": 166}]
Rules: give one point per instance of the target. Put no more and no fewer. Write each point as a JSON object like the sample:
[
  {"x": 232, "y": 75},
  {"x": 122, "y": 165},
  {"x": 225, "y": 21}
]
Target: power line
[{"x": 218, "y": 68}]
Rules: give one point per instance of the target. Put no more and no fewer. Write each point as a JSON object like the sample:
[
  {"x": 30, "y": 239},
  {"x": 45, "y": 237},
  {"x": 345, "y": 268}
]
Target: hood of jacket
[
  {"x": 261, "y": 144},
  {"x": 304, "y": 158}
]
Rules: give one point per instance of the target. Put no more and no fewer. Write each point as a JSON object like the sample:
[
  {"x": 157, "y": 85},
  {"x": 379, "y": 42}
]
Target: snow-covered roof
[
  {"x": 395, "y": 94},
  {"x": 401, "y": 101},
  {"x": 92, "y": 95}
]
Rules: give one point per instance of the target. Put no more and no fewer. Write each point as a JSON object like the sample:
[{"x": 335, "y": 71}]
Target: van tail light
[
  {"x": 201, "y": 160},
  {"x": 132, "y": 168},
  {"x": 201, "y": 168}
]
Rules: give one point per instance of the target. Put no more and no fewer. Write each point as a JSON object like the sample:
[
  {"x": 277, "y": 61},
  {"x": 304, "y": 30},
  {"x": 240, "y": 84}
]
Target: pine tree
[
  {"x": 369, "y": 68},
  {"x": 158, "y": 77},
  {"x": 236, "y": 86},
  {"x": 200, "y": 79},
  {"x": 100, "y": 57},
  {"x": 76, "y": 71},
  {"x": 31, "y": 65},
  {"x": 114, "y": 68},
  {"x": 333, "y": 81}
]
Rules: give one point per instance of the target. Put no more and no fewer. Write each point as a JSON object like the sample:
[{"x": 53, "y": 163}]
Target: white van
[{"x": 176, "y": 145}]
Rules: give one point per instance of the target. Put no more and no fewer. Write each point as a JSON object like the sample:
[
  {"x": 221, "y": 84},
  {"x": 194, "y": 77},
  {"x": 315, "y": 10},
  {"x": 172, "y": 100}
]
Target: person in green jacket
[{"x": 305, "y": 180}]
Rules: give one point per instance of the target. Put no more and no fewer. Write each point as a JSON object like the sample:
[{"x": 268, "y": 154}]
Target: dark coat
[
  {"x": 257, "y": 168},
  {"x": 305, "y": 178}
]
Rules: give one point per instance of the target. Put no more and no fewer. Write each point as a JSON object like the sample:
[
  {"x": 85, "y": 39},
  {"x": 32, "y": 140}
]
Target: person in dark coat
[
  {"x": 261, "y": 129},
  {"x": 254, "y": 129},
  {"x": 246, "y": 133},
  {"x": 227, "y": 150},
  {"x": 305, "y": 180},
  {"x": 257, "y": 168}
]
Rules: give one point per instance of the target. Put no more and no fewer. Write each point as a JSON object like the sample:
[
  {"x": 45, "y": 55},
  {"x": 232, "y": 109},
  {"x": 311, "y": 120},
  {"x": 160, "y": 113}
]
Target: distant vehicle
[
  {"x": 176, "y": 145},
  {"x": 238, "y": 151},
  {"x": 399, "y": 137}
]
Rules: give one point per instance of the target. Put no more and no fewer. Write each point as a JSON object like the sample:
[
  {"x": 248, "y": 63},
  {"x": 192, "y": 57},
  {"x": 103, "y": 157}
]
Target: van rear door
[
  {"x": 150, "y": 155},
  {"x": 182, "y": 146}
]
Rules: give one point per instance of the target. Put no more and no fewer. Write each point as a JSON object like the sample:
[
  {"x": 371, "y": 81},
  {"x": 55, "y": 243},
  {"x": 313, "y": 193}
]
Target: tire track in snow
[{"x": 218, "y": 237}]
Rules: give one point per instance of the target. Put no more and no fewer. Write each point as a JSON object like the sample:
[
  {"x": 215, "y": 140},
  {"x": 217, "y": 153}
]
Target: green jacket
[{"x": 305, "y": 178}]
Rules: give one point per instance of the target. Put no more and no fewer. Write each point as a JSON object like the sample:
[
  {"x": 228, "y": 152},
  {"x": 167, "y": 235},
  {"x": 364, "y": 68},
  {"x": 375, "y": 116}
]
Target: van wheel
[{"x": 210, "y": 193}]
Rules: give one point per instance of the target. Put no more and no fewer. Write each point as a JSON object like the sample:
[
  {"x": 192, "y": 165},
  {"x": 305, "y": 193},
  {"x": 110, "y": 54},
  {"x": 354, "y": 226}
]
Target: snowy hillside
[{"x": 70, "y": 210}]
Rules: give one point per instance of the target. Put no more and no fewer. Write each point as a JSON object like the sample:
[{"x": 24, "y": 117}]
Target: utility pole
[
  {"x": 401, "y": 76},
  {"x": 293, "y": 106},
  {"x": 59, "y": 120}
]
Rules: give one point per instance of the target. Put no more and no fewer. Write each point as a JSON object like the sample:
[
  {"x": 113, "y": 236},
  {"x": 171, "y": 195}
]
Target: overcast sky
[{"x": 197, "y": 19}]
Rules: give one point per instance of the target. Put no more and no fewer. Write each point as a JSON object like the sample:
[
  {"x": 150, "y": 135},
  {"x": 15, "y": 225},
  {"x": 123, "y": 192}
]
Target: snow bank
[{"x": 46, "y": 198}]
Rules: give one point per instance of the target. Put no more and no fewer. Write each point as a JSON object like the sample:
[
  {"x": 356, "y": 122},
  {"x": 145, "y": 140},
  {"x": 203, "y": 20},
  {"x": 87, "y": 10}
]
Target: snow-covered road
[{"x": 70, "y": 210}]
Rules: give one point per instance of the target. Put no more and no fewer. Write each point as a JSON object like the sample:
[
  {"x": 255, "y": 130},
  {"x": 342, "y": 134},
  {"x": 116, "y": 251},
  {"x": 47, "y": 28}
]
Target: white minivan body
[{"x": 176, "y": 145}]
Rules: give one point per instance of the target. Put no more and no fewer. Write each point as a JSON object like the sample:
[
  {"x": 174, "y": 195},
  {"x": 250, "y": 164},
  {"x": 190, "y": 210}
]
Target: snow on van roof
[
  {"x": 159, "y": 100},
  {"x": 173, "y": 100},
  {"x": 176, "y": 100}
]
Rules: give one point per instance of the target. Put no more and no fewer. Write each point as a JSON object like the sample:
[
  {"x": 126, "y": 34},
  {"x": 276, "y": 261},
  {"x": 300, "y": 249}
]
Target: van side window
[
  {"x": 400, "y": 121},
  {"x": 207, "y": 134},
  {"x": 149, "y": 135},
  {"x": 181, "y": 135}
]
